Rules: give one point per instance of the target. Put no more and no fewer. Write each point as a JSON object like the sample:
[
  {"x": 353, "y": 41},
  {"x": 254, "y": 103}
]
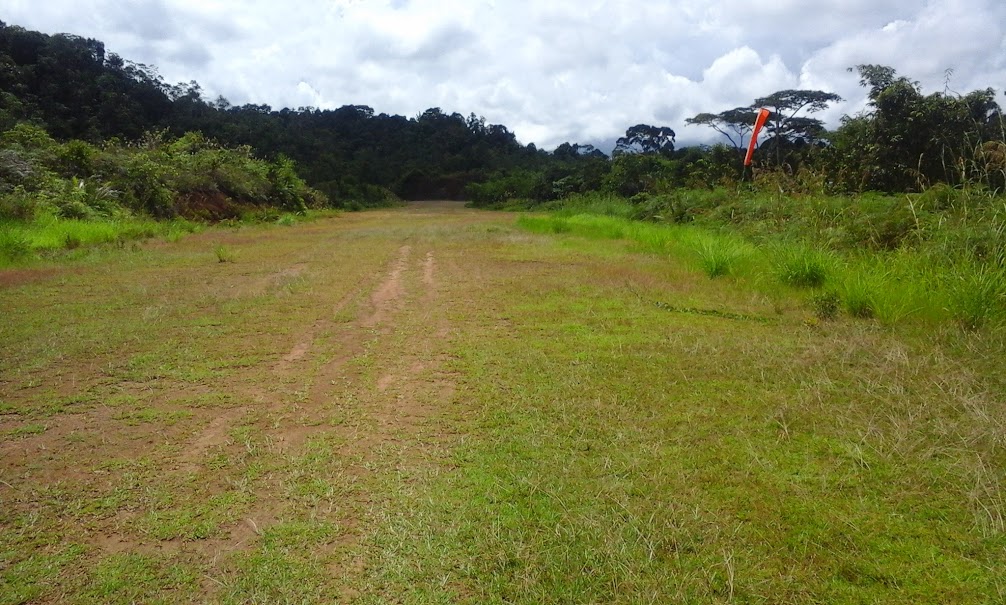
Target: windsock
[{"x": 759, "y": 122}]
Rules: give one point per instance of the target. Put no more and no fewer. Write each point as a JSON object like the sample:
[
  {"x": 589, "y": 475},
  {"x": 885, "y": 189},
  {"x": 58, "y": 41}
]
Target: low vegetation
[
  {"x": 67, "y": 195},
  {"x": 943, "y": 261},
  {"x": 580, "y": 415},
  {"x": 673, "y": 380}
]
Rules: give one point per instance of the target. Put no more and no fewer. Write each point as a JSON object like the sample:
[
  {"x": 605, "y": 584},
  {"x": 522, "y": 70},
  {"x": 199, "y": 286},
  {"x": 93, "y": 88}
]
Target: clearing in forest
[{"x": 430, "y": 405}]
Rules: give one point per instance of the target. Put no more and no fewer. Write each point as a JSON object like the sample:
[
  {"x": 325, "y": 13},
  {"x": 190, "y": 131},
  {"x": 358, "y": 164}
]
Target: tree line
[{"x": 906, "y": 140}]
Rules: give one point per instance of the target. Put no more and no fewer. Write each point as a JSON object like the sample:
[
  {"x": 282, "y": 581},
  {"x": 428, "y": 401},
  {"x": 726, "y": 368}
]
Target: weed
[
  {"x": 14, "y": 245},
  {"x": 224, "y": 254},
  {"x": 559, "y": 225},
  {"x": 72, "y": 241},
  {"x": 135, "y": 578},
  {"x": 857, "y": 297},
  {"x": 27, "y": 430},
  {"x": 826, "y": 304}
]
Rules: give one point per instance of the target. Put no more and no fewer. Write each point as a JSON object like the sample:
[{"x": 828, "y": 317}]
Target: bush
[
  {"x": 523, "y": 184},
  {"x": 18, "y": 205},
  {"x": 76, "y": 159}
]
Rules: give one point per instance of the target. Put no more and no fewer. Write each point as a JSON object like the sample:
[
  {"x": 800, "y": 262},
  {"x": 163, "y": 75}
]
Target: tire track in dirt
[
  {"x": 290, "y": 428},
  {"x": 385, "y": 297},
  {"x": 398, "y": 429},
  {"x": 307, "y": 338},
  {"x": 215, "y": 434},
  {"x": 334, "y": 377},
  {"x": 411, "y": 390}
]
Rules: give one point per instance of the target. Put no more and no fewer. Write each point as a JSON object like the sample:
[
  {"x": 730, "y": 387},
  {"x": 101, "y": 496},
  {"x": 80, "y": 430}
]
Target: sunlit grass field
[
  {"x": 554, "y": 409},
  {"x": 899, "y": 286}
]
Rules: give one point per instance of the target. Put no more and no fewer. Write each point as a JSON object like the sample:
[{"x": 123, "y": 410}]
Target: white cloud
[{"x": 578, "y": 70}]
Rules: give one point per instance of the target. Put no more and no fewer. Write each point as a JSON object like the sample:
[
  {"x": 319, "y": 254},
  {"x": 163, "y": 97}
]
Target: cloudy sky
[{"x": 552, "y": 71}]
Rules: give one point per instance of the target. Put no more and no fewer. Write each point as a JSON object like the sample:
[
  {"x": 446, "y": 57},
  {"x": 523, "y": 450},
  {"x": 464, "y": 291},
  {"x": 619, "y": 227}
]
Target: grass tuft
[
  {"x": 14, "y": 244},
  {"x": 857, "y": 296},
  {"x": 224, "y": 254},
  {"x": 803, "y": 267},
  {"x": 717, "y": 257},
  {"x": 977, "y": 297}
]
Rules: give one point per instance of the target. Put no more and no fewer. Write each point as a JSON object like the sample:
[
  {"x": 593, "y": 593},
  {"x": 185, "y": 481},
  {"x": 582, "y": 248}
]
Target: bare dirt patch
[
  {"x": 387, "y": 294},
  {"x": 215, "y": 434},
  {"x": 15, "y": 277}
]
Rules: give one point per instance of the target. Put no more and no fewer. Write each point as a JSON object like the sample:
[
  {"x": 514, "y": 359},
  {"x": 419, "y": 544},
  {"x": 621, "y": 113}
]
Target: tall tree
[
  {"x": 735, "y": 124},
  {"x": 785, "y": 127},
  {"x": 646, "y": 139}
]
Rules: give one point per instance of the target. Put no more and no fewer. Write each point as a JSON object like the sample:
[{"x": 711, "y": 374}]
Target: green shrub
[
  {"x": 18, "y": 205},
  {"x": 520, "y": 184},
  {"x": 18, "y": 170},
  {"x": 76, "y": 159},
  {"x": 32, "y": 139},
  {"x": 140, "y": 177},
  {"x": 286, "y": 187}
]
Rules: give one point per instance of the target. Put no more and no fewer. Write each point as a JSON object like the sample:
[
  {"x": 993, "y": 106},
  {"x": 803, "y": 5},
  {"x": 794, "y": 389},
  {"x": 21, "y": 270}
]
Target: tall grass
[
  {"x": 803, "y": 266},
  {"x": 953, "y": 276},
  {"x": 595, "y": 203},
  {"x": 22, "y": 241},
  {"x": 716, "y": 254},
  {"x": 977, "y": 296}
]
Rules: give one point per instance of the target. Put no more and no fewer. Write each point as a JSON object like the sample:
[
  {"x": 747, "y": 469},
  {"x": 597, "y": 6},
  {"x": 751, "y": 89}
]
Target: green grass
[
  {"x": 623, "y": 454},
  {"x": 600, "y": 204},
  {"x": 803, "y": 267},
  {"x": 224, "y": 254},
  {"x": 25, "y": 430},
  {"x": 572, "y": 417},
  {"x": 133, "y": 578},
  {"x": 903, "y": 286},
  {"x": 24, "y": 241},
  {"x": 977, "y": 296},
  {"x": 718, "y": 256}
]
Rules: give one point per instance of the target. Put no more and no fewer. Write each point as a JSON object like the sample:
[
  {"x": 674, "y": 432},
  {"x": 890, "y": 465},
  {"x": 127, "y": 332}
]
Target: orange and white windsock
[{"x": 759, "y": 122}]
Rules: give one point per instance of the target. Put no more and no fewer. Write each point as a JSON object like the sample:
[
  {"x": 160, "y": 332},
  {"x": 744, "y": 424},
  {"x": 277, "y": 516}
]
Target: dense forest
[
  {"x": 91, "y": 120},
  {"x": 73, "y": 89}
]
